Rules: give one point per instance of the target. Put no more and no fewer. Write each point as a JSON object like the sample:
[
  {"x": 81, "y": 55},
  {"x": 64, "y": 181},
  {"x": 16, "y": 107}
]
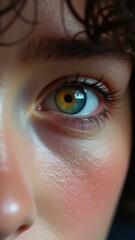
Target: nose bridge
[{"x": 17, "y": 207}]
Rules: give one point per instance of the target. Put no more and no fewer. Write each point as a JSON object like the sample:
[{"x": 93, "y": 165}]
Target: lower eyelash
[
  {"x": 85, "y": 123},
  {"x": 100, "y": 118}
]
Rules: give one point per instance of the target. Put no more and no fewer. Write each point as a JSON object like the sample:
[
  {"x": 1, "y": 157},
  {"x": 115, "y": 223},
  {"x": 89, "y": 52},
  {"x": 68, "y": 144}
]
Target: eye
[
  {"x": 77, "y": 102},
  {"x": 72, "y": 100}
]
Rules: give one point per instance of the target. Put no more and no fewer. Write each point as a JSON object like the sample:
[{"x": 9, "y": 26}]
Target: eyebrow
[{"x": 42, "y": 49}]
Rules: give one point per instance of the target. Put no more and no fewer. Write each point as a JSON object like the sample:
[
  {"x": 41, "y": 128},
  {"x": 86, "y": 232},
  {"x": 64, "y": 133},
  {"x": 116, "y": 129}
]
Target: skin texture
[{"x": 57, "y": 182}]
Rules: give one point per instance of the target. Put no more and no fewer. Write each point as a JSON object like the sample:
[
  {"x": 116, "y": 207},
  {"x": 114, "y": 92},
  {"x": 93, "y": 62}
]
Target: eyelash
[{"x": 111, "y": 97}]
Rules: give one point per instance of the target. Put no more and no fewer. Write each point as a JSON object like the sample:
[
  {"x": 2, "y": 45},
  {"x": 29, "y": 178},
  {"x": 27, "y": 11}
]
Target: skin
[{"x": 58, "y": 183}]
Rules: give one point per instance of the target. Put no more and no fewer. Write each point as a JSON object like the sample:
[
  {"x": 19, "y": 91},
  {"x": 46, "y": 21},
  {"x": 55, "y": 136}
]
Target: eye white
[{"x": 92, "y": 103}]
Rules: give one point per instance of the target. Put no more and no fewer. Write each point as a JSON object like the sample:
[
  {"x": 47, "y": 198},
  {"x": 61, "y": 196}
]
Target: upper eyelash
[{"x": 111, "y": 96}]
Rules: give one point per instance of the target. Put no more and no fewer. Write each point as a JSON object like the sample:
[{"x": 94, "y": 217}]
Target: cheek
[
  {"x": 76, "y": 182},
  {"x": 77, "y": 185}
]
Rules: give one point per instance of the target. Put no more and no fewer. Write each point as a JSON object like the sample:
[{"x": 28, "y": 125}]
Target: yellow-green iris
[{"x": 70, "y": 99}]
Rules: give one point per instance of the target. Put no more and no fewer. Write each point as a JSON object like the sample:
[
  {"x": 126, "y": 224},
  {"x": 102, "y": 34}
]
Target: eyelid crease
[{"x": 88, "y": 81}]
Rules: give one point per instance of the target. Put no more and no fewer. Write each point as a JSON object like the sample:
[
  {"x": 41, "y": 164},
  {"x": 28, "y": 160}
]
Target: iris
[{"x": 71, "y": 99}]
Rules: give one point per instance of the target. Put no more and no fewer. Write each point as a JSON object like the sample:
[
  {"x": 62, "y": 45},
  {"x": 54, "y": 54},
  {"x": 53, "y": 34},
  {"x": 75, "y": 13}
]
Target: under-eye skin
[{"x": 78, "y": 102}]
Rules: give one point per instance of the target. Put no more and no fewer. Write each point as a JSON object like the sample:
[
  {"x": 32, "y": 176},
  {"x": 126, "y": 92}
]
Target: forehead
[
  {"x": 54, "y": 19},
  {"x": 57, "y": 18}
]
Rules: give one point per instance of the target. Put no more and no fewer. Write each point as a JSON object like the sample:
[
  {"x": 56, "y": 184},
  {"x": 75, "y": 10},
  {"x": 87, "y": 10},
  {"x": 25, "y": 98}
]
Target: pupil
[{"x": 68, "y": 98}]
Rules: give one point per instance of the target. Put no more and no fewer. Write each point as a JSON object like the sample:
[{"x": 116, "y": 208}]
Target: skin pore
[{"x": 59, "y": 179}]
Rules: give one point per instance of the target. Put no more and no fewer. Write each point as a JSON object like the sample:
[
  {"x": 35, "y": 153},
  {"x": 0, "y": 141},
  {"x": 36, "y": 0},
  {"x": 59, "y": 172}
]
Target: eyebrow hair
[{"x": 43, "y": 49}]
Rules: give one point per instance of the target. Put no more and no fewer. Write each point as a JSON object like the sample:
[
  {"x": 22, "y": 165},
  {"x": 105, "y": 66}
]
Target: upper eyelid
[
  {"x": 83, "y": 79},
  {"x": 66, "y": 79},
  {"x": 111, "y": 96}
]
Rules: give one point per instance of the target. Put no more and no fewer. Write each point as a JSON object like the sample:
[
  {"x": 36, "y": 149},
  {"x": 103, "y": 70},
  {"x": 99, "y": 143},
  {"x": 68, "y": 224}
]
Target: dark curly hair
[
  {"x": 112, "y": 20},
  {"x": 15, "y": 8},
  {"x": 104, "y": 19}
]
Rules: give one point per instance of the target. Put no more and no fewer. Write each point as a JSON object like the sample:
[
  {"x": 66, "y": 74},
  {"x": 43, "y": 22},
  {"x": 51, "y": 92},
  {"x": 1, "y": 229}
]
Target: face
[{"x": 65, "y": 130}]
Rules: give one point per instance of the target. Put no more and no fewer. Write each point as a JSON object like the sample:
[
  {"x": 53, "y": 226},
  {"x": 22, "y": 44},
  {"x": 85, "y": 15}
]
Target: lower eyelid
[{"x": 82, "y": 124}]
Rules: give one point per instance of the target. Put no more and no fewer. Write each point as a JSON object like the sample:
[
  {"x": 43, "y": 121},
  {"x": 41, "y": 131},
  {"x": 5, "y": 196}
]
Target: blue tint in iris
[{"x": 70, "y": 99}]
